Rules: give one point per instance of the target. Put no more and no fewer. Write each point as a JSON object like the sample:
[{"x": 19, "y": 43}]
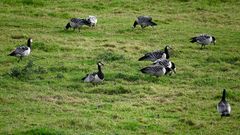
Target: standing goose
[
  {"x": 165, "y": 63},
  {"x": 155, "y": 70},
  {"x": 153, "y": 56},
  {"x": 92, "y": 20},
  {"x": 144, "y": 21},
  {"x": 76, "y": 23},
  {"x": 96, "y": 76},
  {"x": 223, "y": 106},
  {"x": 203, "y": 40},
  {"x": 23, "y": 50}
]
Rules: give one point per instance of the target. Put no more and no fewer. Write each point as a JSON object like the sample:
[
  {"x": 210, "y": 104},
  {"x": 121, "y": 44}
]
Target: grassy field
[{"x": 44, "y": 94}]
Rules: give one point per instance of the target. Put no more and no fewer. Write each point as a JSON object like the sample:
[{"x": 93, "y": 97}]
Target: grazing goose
[
  {"x": 143, "y": 21},
  {"x": 155, "y": 70},
  {"x": 203, "y": 40},
  {"x": 23, "y": 50},
  {"x": 165, "y": 63},
  {"x": 92, "y": 20},
  {"x": 76, "y": 23},
  {"x": 153, "y": 56},
  {"x": 96, "y": 76},
  {"x": 223, "y": 106}
]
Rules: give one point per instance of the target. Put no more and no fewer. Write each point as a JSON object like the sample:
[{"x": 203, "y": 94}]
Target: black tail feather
[
  {"x": 143, "y": 70},
  {"x": 84, "y": 77},
  {"x": 143, "y": 58},
  {"x": 153, "y": 24},
  {"x": 225, "y": 115},
  {"x": 12, "y": 54},
  {"x": 193, "y": 40}
]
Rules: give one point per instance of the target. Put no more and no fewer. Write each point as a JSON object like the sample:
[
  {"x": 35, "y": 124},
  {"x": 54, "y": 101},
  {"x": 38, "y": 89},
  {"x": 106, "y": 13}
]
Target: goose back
[
  {"x": 155, "y": 70},
  {"x": 223, "y": 106}
]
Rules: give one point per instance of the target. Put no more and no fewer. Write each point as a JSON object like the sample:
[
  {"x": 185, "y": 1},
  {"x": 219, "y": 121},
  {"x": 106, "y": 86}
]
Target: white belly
[{"x": 26, "y": 52}]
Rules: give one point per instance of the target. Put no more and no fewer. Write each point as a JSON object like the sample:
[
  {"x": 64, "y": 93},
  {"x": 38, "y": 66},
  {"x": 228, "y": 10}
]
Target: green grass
[{"x": 44, "y": 94}]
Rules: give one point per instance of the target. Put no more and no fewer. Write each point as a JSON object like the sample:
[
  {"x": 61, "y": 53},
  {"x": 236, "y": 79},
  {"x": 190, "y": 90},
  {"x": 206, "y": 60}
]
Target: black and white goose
[
  {"x": 223, "y": 106},
  {"x": 203, "y": 40},
  {"x": 144, "y": 21},
  {"x": 153, "y": 56},
  {"x": 165, "y": 63},
  {"x": 155, "y": 70},
  {"x": 96, "y": 76},
  {"x": 23, "y": 50},
  {"x": 76, "y": 23},
  {"x": 92, "y": 20}
]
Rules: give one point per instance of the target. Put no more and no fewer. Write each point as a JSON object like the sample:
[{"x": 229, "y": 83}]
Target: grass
[{"x": 44, "y": 94}]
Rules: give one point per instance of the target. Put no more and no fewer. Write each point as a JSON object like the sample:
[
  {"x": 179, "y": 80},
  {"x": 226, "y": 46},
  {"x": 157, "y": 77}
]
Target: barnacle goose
[
  {"x": 144, "y": 21},
  {"x": 92, "y": 20},
  {"x": 203, "y": 40},
  {"x": 76, "y": 23},
  {"x": 96, "y": 76},
  {"x": 152, "y": 56},
  {"x": 223, "y": 106},
  {"x": 165, "y": 63},
  {"x": 23, "y": 50},
  {"x": 155, "y": 70}
]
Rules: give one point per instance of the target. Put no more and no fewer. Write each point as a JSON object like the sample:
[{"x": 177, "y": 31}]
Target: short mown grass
[{"x": 44, "y": 94}]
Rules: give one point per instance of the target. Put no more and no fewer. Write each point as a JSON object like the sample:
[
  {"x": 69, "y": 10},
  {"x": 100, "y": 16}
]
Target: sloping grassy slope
[{"x": 44, "y": 94}]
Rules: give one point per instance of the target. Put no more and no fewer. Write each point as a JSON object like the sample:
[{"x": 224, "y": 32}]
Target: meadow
[{"x": 44, "y": 94}]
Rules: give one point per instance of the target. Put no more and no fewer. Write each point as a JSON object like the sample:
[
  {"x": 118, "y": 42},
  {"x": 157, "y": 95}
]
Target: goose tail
[
  {"x": 193, "y": 40},
  {"x": 153, "y": 24},
  {"x": 143, "y": 58},
  {"x": 85, "y": 77},
  {"x": 225, "y": 115},
  {"x": 12, "y": 54},
  {"x": 144, "y": 70}
]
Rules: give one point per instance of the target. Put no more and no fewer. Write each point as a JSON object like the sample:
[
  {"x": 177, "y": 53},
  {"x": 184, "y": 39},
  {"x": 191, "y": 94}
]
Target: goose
[
  {"x": 158, "y": 54},
  {"x": 203, "y": 40},
  {"x": 223, "y": 106},
  {"x": 23, "y": 50},
  {"x": 165, "y": 63},
  {"x": 76, "y": 23},
  {"x": 96, "y": 76},
  {"x": 92, "y": 20},
  {"x": 155, "y": 70},
  {"x": 144, "y": 21}
]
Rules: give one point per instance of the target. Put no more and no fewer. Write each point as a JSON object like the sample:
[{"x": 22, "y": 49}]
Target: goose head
[
  {"x": 100, "y": 63},
  {"x": 166, "y": 50},
  {"x": 214, "y": 40},
  {"x": 167, "y": 47}
]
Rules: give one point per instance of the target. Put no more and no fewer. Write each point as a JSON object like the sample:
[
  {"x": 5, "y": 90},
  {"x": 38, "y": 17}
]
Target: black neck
[
  {"x": 99, "y": 68},
  {"x": 135, "y": 24},
  {"x": 100, "y": 74},
  {"x": 173, "y": 66},
  {"x": 167, "y": 70},
  {"x": 29, "y": 43},
  {"x": 68, "y": 26},
  {"x": 224, "y": 95},
  {"x": 167, "y": 53}
]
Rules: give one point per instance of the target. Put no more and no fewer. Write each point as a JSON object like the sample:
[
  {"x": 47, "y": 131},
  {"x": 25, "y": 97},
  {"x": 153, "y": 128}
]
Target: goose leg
[{"x": 20, "y": 58}]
